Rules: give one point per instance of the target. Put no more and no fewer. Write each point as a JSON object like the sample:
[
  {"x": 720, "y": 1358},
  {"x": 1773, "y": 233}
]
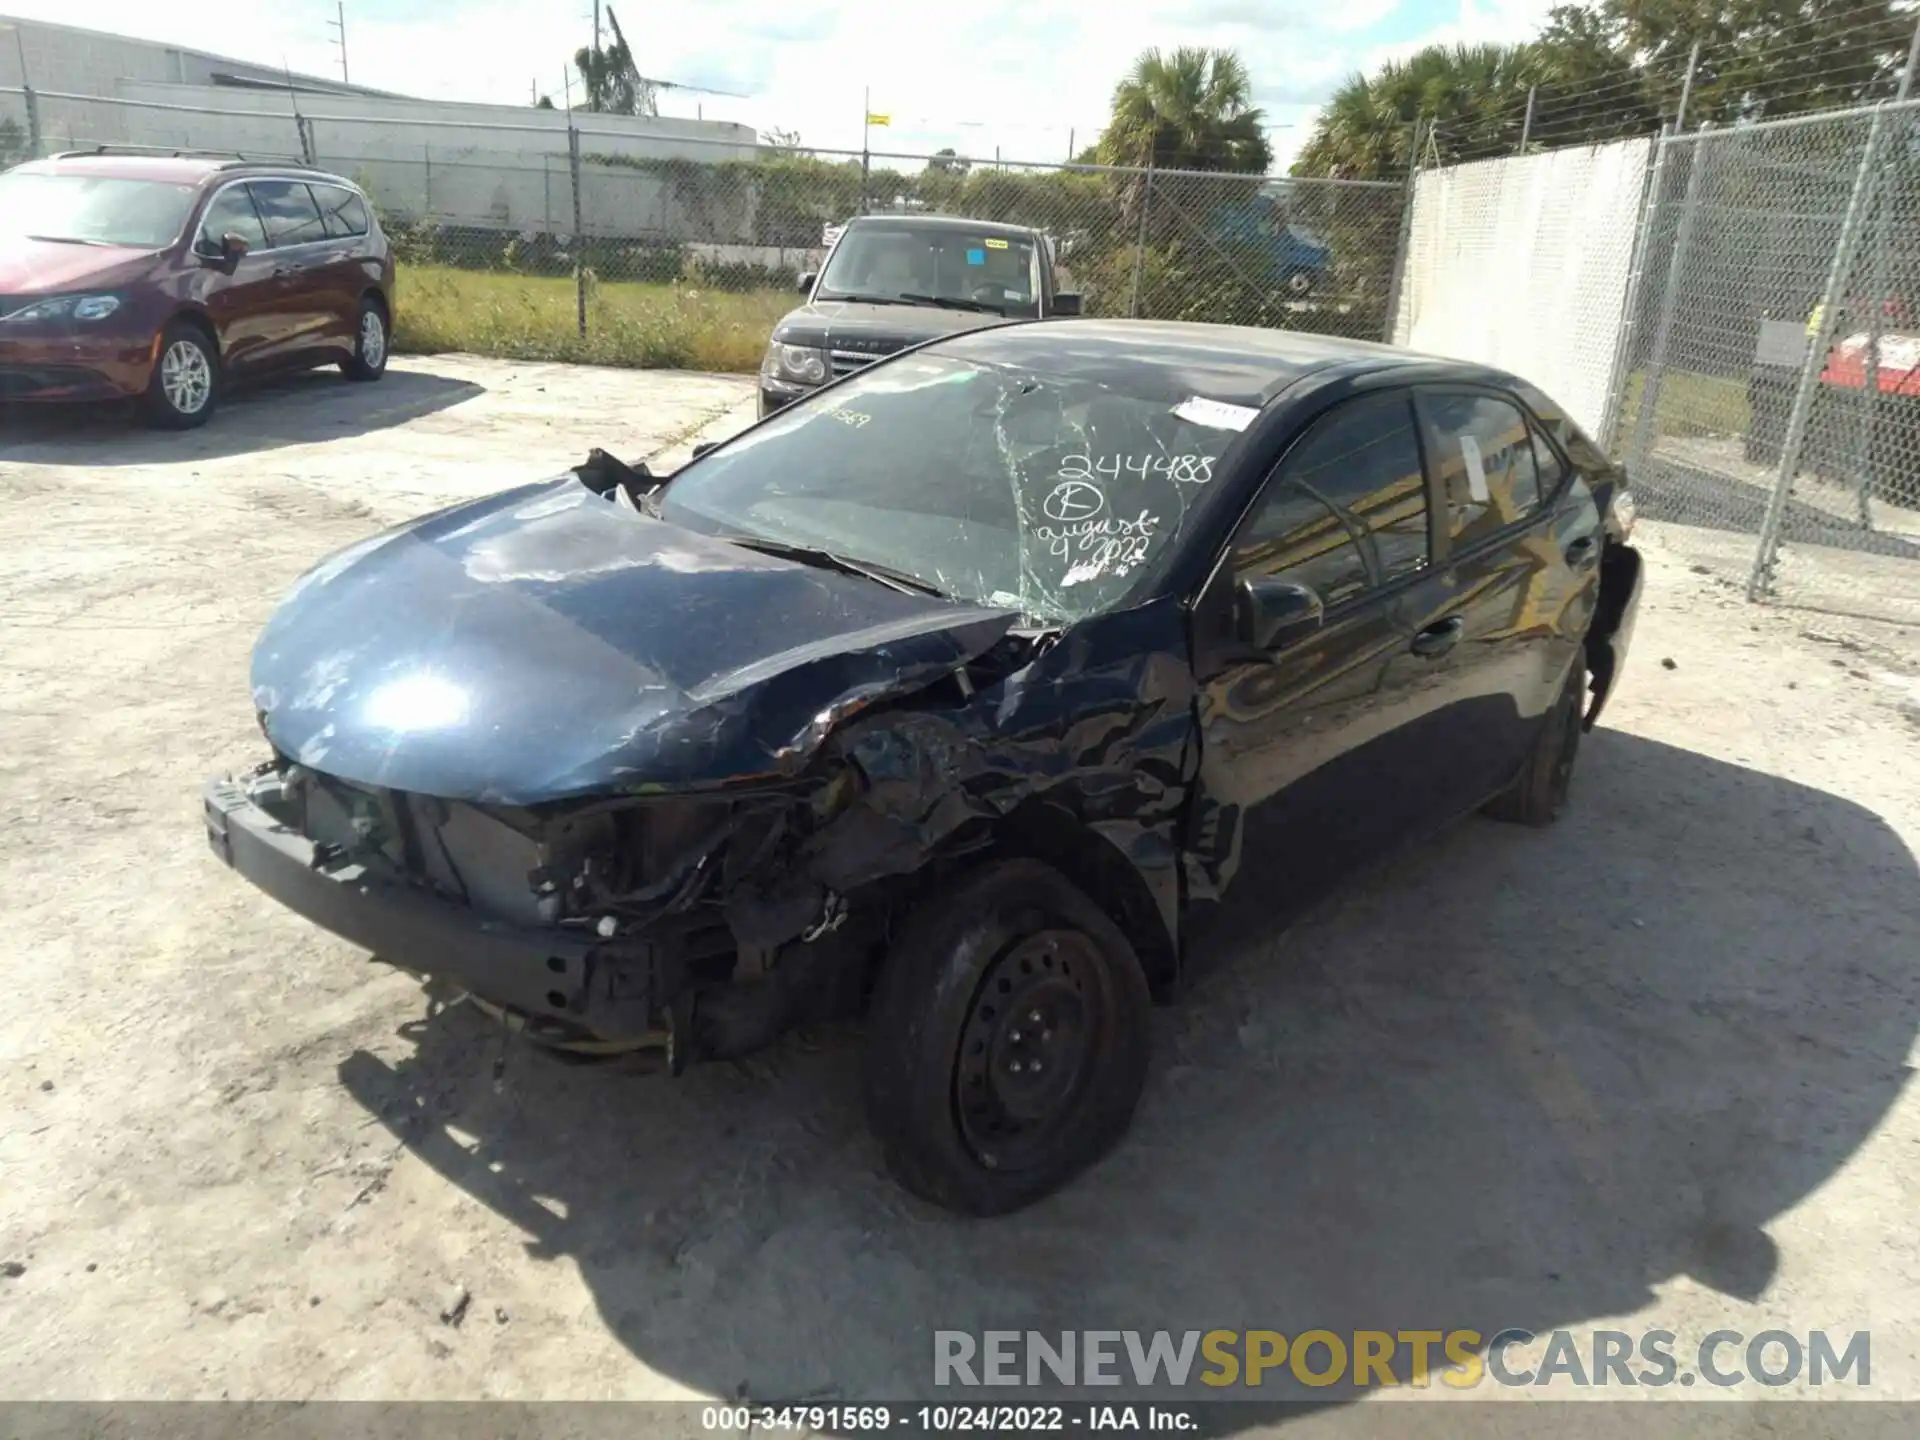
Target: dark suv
[
  {"x": 160, "y": 277},
  {"x": 891, "y": 281}
]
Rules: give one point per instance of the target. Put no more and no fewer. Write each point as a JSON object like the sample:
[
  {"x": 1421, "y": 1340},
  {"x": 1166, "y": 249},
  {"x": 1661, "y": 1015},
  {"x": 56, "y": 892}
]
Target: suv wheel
[
  {"x": 1007, "y": 1041},
  {"x": 185, "y": 386},
  {"x": 370, "y": 341}
]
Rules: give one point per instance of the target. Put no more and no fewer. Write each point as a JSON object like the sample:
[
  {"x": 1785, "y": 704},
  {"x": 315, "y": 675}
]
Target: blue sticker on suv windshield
[{"x": 976, "y": 257}]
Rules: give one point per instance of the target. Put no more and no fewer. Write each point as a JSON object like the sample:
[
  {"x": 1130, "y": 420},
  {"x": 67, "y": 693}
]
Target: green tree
[
  {"x": 1762, "y": 58},
  {"x": 1191, "y": 109},
  {"x": 1590, "y": 87},
  {"x": 1608, "y": 69},
  {"x": 1473, "y": 98}
]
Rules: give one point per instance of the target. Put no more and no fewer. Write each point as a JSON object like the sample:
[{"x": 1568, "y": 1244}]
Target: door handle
[
  {"x": 1582, "y": 551},
  {"x": 1437, "y": 639}
]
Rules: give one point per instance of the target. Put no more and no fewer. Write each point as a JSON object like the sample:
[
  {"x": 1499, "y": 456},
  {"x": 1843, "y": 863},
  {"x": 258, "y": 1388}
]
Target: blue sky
[{"x": 1022, "y": 76}]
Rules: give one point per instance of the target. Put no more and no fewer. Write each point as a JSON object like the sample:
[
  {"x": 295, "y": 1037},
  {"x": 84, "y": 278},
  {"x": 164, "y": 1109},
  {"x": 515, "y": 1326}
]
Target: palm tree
[
  {"x": 1188, "y": 110},
  {"x": 607, "y": 74},
  {"x": 1472, "y": 98}
]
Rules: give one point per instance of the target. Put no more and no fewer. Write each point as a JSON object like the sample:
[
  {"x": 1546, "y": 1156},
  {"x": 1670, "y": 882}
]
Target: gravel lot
[{"x": 1652, "y": 1068}]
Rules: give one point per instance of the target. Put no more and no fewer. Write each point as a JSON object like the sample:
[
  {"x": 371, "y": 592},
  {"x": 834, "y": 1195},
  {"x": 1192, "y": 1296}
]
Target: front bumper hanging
[{"x": 606, "y": 989}]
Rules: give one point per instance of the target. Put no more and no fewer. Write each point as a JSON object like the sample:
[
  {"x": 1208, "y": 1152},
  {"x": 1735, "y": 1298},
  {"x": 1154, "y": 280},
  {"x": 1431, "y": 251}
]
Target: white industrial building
[{"x": 500, "y": 167}]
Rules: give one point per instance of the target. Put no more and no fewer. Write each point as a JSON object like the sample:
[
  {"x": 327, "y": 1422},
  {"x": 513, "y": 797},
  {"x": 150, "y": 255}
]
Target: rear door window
[
  {"x": 231, "y": 213},
  {"x": 343, "y": 211},
  {"x": 1483, "y": 460},
  {"x": 289, "y": 212}
]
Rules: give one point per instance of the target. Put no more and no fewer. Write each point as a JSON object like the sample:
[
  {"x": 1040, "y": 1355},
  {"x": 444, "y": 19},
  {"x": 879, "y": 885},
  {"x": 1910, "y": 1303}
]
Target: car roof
[
  {"x": 1236, "y": 364},
  {"x": 946, "y": 222},
  {"x": 184, "y": 169}
]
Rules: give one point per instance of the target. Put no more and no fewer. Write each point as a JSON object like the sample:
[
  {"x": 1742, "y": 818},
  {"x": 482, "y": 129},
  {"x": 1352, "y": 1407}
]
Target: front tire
[
  {"x": 185, "y": 388},
  {"x": 372, "y": 338},
  {"x": 1539, "y": 793},
  {"x": 1007, "y": 1042}
]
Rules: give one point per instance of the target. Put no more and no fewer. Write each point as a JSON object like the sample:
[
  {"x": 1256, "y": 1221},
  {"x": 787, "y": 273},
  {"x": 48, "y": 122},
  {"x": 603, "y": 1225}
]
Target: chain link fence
[
  {"x": 552, "y": 238},
  {"x": 1736, "y": 311},
  {"x": 1523, "y": 262},
  {"x": 16, "y": 129},
  {"x": 1772, "y": 389}
]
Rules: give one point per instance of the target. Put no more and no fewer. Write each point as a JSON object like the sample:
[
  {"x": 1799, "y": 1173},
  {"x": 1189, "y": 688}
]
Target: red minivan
[{"x": 159, "y": 278}]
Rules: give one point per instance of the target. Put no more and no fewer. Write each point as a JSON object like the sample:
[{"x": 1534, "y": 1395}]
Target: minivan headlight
[
  {"x": 61, "y": 307},
  {"x": 798, "y": 364}
]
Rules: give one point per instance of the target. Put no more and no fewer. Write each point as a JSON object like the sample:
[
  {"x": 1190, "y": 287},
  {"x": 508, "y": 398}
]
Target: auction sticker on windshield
[{"x": 1215, "y": 413}]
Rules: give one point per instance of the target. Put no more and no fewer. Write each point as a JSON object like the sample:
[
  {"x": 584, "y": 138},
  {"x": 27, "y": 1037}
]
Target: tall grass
[{"x": 534, "y": 317}]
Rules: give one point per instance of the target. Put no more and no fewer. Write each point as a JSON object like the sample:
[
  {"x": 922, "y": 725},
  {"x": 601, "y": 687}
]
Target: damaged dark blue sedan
[{"x": 953, "y": 695}]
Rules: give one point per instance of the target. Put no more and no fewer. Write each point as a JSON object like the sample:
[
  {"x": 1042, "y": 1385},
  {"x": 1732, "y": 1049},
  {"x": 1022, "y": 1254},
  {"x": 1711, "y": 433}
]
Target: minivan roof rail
[{"x": 172, "y": 153}]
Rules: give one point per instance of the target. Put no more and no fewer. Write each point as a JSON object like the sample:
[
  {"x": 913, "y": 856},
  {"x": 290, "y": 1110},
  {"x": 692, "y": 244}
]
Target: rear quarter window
[{"x": 344, "y": 212}]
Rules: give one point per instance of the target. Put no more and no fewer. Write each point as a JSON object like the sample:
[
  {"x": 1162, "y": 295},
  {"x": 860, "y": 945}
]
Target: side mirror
[
  {"x": 703, "y": 447},
  {"x": 1269, "y": 613},
  {"x": 1066, "y": 302},
  {"x": 806, "y": 281},
  {"x": 228, "y": 253}
]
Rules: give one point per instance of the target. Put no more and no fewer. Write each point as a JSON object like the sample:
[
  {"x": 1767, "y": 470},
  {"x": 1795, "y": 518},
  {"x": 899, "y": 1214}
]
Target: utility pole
[{"x": 339, "y": 25}]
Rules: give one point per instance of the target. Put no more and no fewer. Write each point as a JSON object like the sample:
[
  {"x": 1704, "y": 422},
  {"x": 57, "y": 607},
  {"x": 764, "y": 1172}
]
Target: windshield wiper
[
  {"x": 865, "y": 299},
  {"x": 950, "y": 302},
  {"x": 69, "y": 240},
  {"x": 812, "y": 555}
]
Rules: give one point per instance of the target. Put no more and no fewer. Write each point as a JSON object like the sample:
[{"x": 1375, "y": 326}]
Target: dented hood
[{"x": 548, "y": 642}]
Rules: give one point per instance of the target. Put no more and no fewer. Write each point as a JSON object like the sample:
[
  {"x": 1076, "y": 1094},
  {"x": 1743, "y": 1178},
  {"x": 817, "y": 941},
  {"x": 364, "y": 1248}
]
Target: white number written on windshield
[{"x": 1183, "y": 469}]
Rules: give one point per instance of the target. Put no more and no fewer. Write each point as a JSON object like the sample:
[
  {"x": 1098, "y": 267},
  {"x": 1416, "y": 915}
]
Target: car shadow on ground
[
  {"x": 1515, "y": 1078},
  {"x": 299, "y": 408}
]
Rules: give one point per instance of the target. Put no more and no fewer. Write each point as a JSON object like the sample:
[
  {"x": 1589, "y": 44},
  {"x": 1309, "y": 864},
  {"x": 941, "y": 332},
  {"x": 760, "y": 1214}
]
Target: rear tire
[
  {"x": 1539, "y": 793},
  {"x": 372, "y": 339},
  {"x": 1007, "y": 1041},
  {"x": 185, "y": 388}
]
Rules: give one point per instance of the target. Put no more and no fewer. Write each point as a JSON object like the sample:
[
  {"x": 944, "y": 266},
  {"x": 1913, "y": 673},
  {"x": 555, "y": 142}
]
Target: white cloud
[{"x": 1024, "y": 76}]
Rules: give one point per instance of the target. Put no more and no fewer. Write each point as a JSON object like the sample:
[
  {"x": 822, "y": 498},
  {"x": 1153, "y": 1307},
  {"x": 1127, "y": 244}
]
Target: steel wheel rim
[
  {"x": 1029, "y": 1046},
  {"x": 373, "y": 338},
  {"x": 186, "y": 377}
]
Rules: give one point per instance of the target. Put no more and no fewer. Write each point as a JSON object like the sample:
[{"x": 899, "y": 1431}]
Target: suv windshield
[
  {"x": 94, "y": 210},
  {"x": 925, "y": 265},
  {"x": 1047, "y": 494}
]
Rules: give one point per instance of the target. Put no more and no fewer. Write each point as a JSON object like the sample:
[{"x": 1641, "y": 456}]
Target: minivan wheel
[
  {"x": 185, "y": 387},
  {"x": 1539, "y": 793},
  {"x": 371, "y": 338},
  {"x": 1007, "y": 1041}
]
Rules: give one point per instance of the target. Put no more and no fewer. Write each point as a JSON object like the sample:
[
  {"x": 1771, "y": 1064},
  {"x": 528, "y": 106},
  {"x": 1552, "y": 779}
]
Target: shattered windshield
[
  {"x": 1051, "y": 495},
  {"x": 925, "y": 265}
]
